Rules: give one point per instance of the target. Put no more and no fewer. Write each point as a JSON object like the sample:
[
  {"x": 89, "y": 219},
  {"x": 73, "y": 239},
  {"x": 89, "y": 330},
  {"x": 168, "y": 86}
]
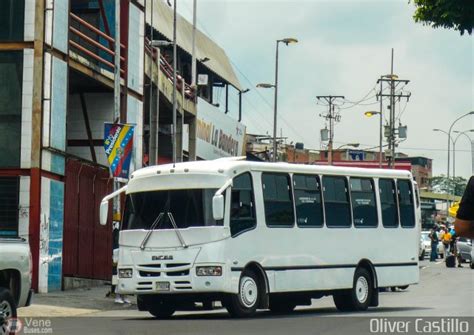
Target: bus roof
[{"x": 232, "y": 166}]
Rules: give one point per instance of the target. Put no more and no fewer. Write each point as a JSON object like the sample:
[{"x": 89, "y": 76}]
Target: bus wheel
[
  {"x": 161, "y": 309},
  {"x": 244, "y": 304},
  {"x": 358, "y": 298},
  {"x": 280, "y": 306}
]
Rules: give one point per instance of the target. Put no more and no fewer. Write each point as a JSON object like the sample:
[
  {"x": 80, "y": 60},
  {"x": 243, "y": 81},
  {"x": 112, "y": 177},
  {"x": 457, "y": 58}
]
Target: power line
[{"x": 286, "y": 122}]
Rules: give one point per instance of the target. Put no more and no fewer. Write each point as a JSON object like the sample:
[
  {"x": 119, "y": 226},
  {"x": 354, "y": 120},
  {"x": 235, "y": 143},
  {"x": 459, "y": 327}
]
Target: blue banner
[{"x": 118, "y": 145}]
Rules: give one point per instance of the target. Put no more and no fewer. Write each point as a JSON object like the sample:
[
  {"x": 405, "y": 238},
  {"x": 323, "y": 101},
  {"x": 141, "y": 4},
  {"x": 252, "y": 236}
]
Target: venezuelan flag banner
[{"x": 118, "y": 144}]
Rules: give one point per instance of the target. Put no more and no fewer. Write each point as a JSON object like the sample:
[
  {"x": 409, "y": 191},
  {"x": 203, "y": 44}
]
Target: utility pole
[
  {"x": 117, "y": 95},
  {"x": 174, "y": 139},
  {"x": 332, "y": 117},
  {"x": 393, "y": 81}
]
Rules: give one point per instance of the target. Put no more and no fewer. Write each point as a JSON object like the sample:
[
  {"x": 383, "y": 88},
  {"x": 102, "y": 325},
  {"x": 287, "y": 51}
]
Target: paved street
[{"x": 442, "y": 292}]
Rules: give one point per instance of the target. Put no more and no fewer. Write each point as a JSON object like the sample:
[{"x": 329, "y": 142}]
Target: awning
[{"x": 218, "y": 62}]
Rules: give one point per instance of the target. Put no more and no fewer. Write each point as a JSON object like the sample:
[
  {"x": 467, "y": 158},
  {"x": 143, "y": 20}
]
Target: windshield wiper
[
  {"x": 178, "y": 233},
  {"x": 152, "y": 227}
]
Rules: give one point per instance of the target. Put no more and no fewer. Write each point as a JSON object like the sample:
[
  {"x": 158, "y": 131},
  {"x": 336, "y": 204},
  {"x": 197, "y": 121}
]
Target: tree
[
  {"x": 452, "y": 14},
  {"x": 454, "y": 186}
]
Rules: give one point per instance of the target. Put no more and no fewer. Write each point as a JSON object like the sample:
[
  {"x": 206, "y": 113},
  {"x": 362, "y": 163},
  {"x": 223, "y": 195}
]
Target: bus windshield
[{"x": 189, "y": 207}]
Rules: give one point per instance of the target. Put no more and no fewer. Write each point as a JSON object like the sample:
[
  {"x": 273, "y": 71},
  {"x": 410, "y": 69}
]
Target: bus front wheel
[
  {"x": 358, "y": 298},
  {"x": 161, "y": 309},
  {"x": 244, "y": 304}
]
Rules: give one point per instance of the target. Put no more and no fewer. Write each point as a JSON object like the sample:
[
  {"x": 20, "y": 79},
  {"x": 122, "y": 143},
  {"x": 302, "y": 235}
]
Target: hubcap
[
  {"x": 362, "y": 289},
  {"x": 5, "y": 313},
  {"x": 248, "y": 292}
]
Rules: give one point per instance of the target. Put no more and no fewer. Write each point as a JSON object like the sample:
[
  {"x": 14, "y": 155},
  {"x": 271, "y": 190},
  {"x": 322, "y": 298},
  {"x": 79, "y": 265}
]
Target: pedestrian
[
  {"x": 452, "y": 231},
  {"x": 446, "y": 239},
  {"x": 464, "y": 223},
  {"x": 434, "y": 244}
]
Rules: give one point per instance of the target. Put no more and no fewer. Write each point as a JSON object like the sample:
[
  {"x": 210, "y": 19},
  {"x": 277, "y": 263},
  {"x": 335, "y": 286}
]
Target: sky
[{"x": 344, "y": 47}]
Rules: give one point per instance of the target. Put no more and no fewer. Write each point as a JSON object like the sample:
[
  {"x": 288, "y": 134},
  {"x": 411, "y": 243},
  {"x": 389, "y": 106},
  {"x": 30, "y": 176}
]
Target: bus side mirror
[
  {"x": 103, "y": 212},
  {"x": 218, "y": 207}
]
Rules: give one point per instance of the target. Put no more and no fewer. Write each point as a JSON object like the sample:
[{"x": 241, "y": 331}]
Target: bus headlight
[
  {"x": 209, "y": 271},
  {"x": 125, "y": 273}
]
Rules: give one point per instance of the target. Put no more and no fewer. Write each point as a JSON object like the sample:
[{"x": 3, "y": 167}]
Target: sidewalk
[{"x": 73, "y": 303}]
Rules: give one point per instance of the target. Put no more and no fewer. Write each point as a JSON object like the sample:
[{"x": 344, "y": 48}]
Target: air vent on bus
[{"x": 148, "y": 274}]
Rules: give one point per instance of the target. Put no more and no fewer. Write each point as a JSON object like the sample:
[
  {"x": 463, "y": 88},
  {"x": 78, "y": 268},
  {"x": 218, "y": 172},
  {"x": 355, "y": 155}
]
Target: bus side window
[
  {"x": 363, "y": 203},
  {"x": 242, "y": 208},
  {"x": 309, "y": 207},
  {"x": 405, "y": 199},
  {"x": 336, "y": 202},
  {"x": 278, "y": 201},
  {"x": 388, "y": 202}
]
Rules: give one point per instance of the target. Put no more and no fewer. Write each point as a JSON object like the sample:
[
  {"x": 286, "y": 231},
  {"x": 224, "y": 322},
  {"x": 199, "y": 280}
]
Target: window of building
[
  {"x": 278, "y": 200},
  {"x": 364, "y": 208},
  {"x": 242, "y": 207},
  {"x": 388, "y": 202},
  {"x": 407, "y": 208},
  {"x": 11, "y": 74},
  {"x": 9, "y": 192},
  {"x": 336, "y": 202},
  {"x": 12, "y": 20},
  {"x": 309, "y": 208}
]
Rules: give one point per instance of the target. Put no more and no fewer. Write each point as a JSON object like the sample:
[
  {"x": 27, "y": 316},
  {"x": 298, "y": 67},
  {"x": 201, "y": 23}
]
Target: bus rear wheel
[
  {"x": 245, "y": 303},
  {"x": 358, "y": 298}
]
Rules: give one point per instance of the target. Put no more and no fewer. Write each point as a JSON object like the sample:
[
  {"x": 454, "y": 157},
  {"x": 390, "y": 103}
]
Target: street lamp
[
  {"x": 449, "y": 135},
  {"x": 454, "y": 146},
  {"x": 370, "y": 114},
  {"x": 355, "y": 145},
  {"x": 286, "y": 41},
  {"x": 240, "y": 102},
  {"x": 265, "y": 85}
]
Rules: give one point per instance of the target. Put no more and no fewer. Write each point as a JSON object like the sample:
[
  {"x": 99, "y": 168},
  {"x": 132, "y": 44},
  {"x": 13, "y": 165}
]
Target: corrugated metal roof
[{"x": 219, "y": 63}]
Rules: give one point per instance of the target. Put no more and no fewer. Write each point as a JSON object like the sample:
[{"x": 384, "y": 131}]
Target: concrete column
[
  {"x": 179, "y": 137},
  {"x": 192, "y": 138},
  {"x": 153, "y": 150}
]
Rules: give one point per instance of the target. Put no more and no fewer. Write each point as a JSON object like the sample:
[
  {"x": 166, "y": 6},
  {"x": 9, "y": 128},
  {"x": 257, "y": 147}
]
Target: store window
[
  {"x": 9, "y": 191},
  {"x": 12, "y": 20},
  {"x": 11, "y": 74}
]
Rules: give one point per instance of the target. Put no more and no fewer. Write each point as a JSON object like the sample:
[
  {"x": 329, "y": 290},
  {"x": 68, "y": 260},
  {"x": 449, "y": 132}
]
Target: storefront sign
[{"x": 218, "y": 135}]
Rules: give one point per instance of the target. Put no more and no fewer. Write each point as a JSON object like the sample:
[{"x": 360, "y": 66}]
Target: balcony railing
[
  {"x": 84, "y": 37},
  {"x": 167, "y": 69}
]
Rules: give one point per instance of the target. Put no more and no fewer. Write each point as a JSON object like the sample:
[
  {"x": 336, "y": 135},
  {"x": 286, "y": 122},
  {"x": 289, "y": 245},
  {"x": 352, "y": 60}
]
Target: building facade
[{"x": 57, "y": 91}]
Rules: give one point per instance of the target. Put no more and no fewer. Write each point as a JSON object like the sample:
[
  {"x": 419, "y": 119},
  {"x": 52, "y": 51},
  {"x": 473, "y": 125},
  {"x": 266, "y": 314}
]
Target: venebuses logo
[{"x": 12, "y": 326}]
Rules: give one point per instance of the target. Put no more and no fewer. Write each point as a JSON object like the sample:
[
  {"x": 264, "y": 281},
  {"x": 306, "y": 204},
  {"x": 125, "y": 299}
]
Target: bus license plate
[{"x": 163, "y": 286}]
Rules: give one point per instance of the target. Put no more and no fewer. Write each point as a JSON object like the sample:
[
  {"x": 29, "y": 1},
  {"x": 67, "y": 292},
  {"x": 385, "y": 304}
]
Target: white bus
[{"x": 265, "y": 235}]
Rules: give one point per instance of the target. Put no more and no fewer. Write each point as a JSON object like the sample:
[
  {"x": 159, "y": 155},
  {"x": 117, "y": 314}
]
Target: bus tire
[
  {"x": 161, "y": 309},
  {"x": 281, "y": 306},
  {"x": 358, "y": 298},
  {"x": 245, "y": 303},
  {"x": 7, "y": 308}
]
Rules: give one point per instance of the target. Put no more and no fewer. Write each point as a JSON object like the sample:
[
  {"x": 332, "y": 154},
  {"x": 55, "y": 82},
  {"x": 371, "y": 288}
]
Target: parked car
[
  {"x": 425, "y": 235},
  {"x": 421, "y": 249},
  {"x": 15, "y": 278},
  {"x": 464, "y": 246}
]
